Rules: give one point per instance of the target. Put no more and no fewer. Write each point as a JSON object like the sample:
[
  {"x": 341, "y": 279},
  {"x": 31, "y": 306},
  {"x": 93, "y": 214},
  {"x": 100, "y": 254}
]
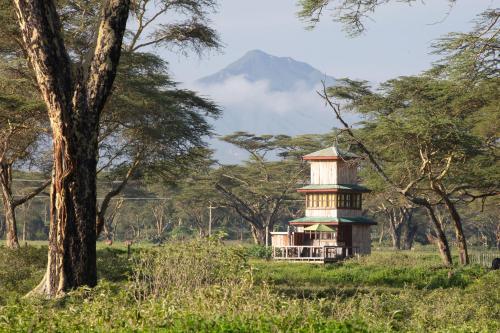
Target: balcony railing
[{"x": 314, "y": 253}]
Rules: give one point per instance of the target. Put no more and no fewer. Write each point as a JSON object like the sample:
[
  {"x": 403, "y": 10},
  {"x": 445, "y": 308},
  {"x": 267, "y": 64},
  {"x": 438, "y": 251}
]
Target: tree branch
[
  {"x": 32, "y": 194},
  {"x": 104, "y": 62},
  {"x": 44, "y": 44}
]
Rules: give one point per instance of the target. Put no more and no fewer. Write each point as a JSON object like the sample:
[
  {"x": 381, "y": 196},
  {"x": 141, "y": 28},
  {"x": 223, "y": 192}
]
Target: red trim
[{"x": 313, "y": 223}]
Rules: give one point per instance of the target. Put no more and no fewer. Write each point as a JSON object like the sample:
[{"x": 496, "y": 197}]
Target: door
[{"x": 345, "y": 239}]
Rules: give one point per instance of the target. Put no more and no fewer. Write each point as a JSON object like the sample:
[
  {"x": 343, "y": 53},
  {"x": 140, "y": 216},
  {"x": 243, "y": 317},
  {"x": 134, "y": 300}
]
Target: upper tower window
[{"x": 332, "y": 200}]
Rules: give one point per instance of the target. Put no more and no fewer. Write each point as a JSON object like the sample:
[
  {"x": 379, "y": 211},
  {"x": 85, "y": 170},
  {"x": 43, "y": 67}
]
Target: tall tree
[
  {"x": 74, "y": 94},
  {"x": 75, "y": 57},
  {"x": 423, "y": 130}
]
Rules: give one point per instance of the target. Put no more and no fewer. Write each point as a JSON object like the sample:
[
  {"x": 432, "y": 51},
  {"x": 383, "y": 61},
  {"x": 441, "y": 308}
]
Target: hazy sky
[{"x": 396, "y": 43}]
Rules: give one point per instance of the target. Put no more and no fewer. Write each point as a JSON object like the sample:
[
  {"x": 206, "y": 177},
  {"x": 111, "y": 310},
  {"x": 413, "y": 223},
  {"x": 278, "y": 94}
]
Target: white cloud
[{"x": 238, "y": 92}]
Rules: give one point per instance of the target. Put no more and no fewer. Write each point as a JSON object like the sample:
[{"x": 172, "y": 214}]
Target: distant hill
[
  {"x": 265, "y": 94},
  {"x": 282, "y": 73}
]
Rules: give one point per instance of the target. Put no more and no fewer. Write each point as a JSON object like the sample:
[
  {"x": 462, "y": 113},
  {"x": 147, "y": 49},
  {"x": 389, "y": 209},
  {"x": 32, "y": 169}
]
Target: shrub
[
  {"x": 259, "y": 252},
  {"x": 183, "y": 267},
  {"x": 20, "y": 270}
]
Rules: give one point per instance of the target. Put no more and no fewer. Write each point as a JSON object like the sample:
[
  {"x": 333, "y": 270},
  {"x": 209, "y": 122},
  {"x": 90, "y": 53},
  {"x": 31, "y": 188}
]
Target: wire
[
  {"x": 43, "y": 180},
  {"x": 101, "y": 198}
]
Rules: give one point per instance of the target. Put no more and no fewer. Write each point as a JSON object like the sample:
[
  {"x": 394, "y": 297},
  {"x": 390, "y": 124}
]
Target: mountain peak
[{"x": 282, "y": 73}]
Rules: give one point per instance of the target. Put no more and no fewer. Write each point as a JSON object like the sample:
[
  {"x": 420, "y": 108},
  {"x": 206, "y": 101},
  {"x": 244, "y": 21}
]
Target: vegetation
[
  {"x": 429, "y": 142},
  {"x": 227, "y": 292}
]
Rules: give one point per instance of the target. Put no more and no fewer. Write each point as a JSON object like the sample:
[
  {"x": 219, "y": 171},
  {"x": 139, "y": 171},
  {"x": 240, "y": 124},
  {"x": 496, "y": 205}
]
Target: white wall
[{"x": 323, "y": 172}]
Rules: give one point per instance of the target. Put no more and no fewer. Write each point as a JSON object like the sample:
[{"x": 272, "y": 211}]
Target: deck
[{"x": 327, "y": 253}]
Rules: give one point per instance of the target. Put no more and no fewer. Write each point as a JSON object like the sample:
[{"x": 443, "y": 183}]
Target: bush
[
  {"x": 259, "y": 252},
  {"x": 184, "y": 267},
  {"x": 20, "y": 270}
]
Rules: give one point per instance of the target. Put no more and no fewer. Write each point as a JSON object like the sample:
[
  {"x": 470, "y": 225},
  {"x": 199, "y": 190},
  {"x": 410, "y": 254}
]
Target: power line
[
  {"x": 44, "y": 180},
  {"x": 102, "y": 198}
]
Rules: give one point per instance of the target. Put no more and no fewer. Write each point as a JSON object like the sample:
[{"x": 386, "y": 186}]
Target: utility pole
[{"x": 210, "y": 219}]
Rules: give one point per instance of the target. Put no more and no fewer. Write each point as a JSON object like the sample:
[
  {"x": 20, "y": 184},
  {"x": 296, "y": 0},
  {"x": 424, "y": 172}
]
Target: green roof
[
  {"x": 357, "y": 219},
  {"x": 331, "y": 152},
  {"x": 319, "y": 227},
  {"x": 354, "y": 187}
]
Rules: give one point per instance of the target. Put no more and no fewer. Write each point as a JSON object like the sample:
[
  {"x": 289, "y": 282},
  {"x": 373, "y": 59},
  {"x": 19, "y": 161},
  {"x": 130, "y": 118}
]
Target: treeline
[{"x": 245, "y": 200}]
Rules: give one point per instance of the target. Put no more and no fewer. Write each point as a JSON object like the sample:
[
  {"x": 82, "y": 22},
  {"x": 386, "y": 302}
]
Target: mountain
[
  {"x": 265, "y": 94},
  {"x": 282, "y": 73}
]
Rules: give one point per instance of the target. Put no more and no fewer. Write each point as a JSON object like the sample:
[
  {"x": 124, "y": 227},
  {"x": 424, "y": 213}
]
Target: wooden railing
[{"x": 314, "y": 253}]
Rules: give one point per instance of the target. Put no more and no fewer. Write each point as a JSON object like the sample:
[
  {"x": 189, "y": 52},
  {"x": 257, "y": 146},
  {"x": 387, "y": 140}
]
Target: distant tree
[
  {"x": 149, "y": 126},
  {"x": 196, "y": 193},
  {"x": 259, "y": 189},
  {"x": 23, "y": 128},
  {"x": 397, "y": 217}
]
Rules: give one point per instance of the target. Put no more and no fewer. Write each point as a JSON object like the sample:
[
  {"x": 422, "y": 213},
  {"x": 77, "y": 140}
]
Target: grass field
[{"x": 210, "y": 287}]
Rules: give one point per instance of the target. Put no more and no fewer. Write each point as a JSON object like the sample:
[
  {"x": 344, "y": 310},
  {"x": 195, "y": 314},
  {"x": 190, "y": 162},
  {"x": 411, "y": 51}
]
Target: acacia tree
[
  {"x": 259, "y": 189},
  {"x": 149, "y": 126},
  {"x": 75, "y": 72},
  {"x": 399, "y": 217},
  {"x": 196, "y": 193},
  {"x": 421, "y": 128},
  {"x": 74, "y": 94},
  {"x": 22, "y": 130}
]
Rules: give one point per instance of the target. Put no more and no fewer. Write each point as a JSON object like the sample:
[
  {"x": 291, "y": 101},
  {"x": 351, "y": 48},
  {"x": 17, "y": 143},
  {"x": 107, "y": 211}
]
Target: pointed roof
[{"x": 332, "y": 153}]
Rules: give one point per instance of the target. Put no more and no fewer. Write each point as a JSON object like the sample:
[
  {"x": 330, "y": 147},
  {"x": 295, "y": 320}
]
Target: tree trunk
[
  {"x": 440, "y": 239},
  {"x": 101, "y": 213},
  {"x": 72, "y": 233},
  {"x": 396, "y": 220},
  {"x": 12, "y": 241},
  {"x": 382, "y": 233},
  {"x": 457, "y": 222},
  {"x": 409, "y": 229},
  {"x": 459, "y": 231},
  {"x": 409, "y": 236},
  {"x": 259, "y": 235}
]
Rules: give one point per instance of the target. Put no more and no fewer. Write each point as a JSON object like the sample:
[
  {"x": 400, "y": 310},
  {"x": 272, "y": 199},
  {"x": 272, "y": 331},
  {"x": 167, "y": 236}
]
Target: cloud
[
  {"x": 253, "y": 107},
  {"x": 238, "y": 92}
]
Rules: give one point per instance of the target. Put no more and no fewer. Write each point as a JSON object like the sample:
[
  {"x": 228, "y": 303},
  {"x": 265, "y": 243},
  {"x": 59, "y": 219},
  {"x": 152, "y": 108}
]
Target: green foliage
[
  {"x": 352, "y": 14},
  {"x": 259, "y": 251},
  {"x": 471, "y": 56},
  {"x": 208, "y": 288},
  {"x": 185, "y": 267},
  {"x": 20, "y": 270},
  {"x": 382, "y": 269}
]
